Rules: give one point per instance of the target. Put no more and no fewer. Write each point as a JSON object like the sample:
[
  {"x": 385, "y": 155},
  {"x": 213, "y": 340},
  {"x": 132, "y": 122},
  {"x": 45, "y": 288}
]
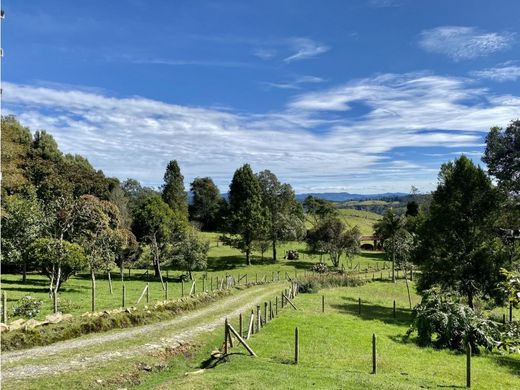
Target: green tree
[
  {"x": 246, "y": 214},
  {"x": 285, "y": 219},
  {"x": 156, "y": 223},
  {"x": 206, "y": 203},
  {"x": 16, "y": 143},
  {"x": 331, "y": 236},
  {"x": 191, "y": 252},
  {"x": 22, "y": 222},
  {"x": 387, "y": 229},
  {"x": 457, "y": 240},
  {"x": 502, "y": 156},
  {"x": 318, "y": 209},
  {"x": 58, "y": 260},
  {"x": 173, "y": 192}
]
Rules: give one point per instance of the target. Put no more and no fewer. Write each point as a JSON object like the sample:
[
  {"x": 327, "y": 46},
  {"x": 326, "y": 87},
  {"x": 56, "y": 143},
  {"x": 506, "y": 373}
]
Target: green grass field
[
  {"x": 223, "y": 260},
  {"x": 335, "y": 351}
]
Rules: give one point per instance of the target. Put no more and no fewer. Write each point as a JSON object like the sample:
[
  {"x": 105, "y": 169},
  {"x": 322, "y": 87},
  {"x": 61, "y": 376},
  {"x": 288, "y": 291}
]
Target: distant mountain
[{"x": 346, "y": 196}]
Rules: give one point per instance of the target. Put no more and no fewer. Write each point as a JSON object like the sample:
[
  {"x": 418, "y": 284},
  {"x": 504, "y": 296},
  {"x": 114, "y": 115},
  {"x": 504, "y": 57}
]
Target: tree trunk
[
  {"x": 93, "y": 279},
  {"x": 122, "y": 270},
  {"x": 274, "y": 250},
  {"x": 24, "y": 272},
  {"x": 110, "y": 282},
  {"x": 248, "y": 256},
  {"x": 470, "y": 299}
]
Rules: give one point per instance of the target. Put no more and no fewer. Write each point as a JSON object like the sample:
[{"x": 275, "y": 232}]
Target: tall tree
[
  {"x": 247, "y": 216},
  {"x": 173, "y": 192},
  {"x": 156, "y": 223},
  {"x": 457, "y": 238},
  {"x": 206, "y": 202},
  {"x": 502, "y": 156},
  {"x": 387, "y": 229},
  {"x": 22, "y": 223},
  {"x": 318, "y": 209},
  {"x": 285, "y": 220},
  {"x": 191, "y": 252}
]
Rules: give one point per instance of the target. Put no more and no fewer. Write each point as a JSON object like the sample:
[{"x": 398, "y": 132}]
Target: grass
[{"x": 335, "y": 351}]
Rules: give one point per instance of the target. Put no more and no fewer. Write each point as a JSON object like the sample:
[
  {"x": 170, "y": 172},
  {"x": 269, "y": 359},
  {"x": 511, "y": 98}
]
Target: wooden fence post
[
  {"x": 265, "y": 313},
  {"x": 182, "y": 288},
  {"x": 374, "y": 354},
  {"x": 282, "y": 299},
  {"x": 296, "y": 346},
  {"x": 257, "y": 318},
  {"x": 203, "y": 284},
  {"x": 394, "y": 309},
  {"x": 226, "y": 337},
  {"x": 359, "y": 305},
  {"x": 123, "y": 298},
  {"x": 250, "y": 328},
  {"x": 240, "y": 324},
  {"x": 4, "y": 307},
  {"x": 468, "y": 365},
  {"x": 166, "y": 291},
  {"x": 147, "y": 292},
  {"x": 323, "y": 303},
  {"x": 270, "y": 310},
  {"x": 276, "y": 306}
]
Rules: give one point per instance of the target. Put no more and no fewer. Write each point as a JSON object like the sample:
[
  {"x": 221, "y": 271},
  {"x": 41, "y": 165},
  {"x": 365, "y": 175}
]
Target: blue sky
[{"x": 363, "y": 96}]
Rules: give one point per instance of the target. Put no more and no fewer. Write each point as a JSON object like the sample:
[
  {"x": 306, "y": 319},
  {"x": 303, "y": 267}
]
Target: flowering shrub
[
  {"x": 27, "y": 307},
  {"x": 320, "y": 268}
]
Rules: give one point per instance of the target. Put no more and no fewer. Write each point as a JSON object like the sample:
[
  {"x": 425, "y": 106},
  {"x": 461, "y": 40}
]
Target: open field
[{"x": 335, "y": 351}]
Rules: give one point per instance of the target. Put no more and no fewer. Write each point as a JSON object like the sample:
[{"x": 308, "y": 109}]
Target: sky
[{"x": 364, "y": 96}]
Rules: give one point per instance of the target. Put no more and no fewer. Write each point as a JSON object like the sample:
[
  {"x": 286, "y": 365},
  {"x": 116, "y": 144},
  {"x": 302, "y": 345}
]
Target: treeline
[{"x": 60, "y": 215}]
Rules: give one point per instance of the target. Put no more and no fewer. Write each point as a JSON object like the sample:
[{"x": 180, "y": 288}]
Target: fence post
[
  {"x": 323, "y": 303},
  {"x": 166, "y": 291},
  {"x": 240, "y": 324},
  {"x": 4, "y": 307},
  {"x": 296, "y": 346},
  {"x": 147, "y": 292},
  {"x": 394, "y": 308},
  {"x": 123, "y": 298},
  {"x": 257, "y": 318},
  {"x": 265, "y": 313},
  {"x": 359, "y": 305},
  {"x": 270, "y": 311},
  {"x": 276, "y": 306},
  {"x": 374, "y": 354},
  {"x": 203, "y": 284},
  {"x": 182, "y": 288},
  {"x": 468, "y": 365},
  {"x": 226, "y": 337}
]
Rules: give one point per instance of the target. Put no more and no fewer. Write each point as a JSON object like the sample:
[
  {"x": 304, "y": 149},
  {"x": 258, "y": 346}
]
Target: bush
[
  {"x": 27, "y": 307},
  {"x": 443, "y": 322},
  {"x": 320, "y": 268},
  {"x": 313, "y": 283},
  {"x": 510, "y": 337}
]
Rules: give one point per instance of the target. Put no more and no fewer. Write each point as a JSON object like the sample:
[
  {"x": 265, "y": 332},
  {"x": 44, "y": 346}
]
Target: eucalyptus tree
[{"x": 173, "y": 192}]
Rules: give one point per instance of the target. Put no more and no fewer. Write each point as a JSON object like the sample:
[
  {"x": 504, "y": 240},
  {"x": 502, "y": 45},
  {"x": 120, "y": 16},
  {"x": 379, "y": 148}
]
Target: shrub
[
  {"x": 27, "y": 307},
  {"x": 320, "y": 268},
  {"x": 510, "y": 337},
  {"x": 313, "y": 283},
  {"x": 443, "y": 322}
]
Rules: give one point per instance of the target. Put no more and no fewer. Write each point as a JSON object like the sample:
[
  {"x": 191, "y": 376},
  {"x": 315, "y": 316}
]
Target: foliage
[
  {"x": 57, "y": 259},
  {"x": 247, "y": 216},
  {"x": 206, "y": 203},
  {"x": 502, "y": 156},
  {"x": 285, "y": 219},
  {"x": 173, "y": 192},
  {"x": 313, "y": 283},
  {"x": 445, "y": 323},
  {"x": 22, "y": 222},
  {"x": 510, "y": 337},
  {"x": 387, "y": 230},
  {"x": 191, "y": 252},
  {"x": 457, "y": 241},
  {"x": 320, "y": 268},
  {"x": 319, "y": 209},
  {"x": 27, "y": 307},
  {"x": 401, "y": 246},
  {"x": 330, "y": 236}
]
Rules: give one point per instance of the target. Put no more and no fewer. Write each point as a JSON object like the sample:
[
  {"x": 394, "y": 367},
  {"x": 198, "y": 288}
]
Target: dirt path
[{"x": 183, "y": 333}]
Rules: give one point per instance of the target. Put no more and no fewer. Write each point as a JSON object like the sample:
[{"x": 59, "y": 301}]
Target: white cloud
[
  {"x": 500, "y": 74},
  {"x": 303, "y": 143},
  {"x": 294, "y": 84},
  {"x": 463, "y": 43},
  {"x": 264, "y": 53},
  {"x": 304, "y": 48}
]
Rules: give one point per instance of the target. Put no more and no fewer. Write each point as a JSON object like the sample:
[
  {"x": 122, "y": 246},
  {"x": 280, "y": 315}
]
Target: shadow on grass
[
  {"x": 510, "y": 363},
  {"x": 224, "y": 263},
  {"x": 370, "y": 311}
]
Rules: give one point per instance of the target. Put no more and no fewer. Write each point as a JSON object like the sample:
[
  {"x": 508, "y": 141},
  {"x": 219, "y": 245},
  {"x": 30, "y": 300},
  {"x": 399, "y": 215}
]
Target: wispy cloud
[
  {"x": 500, "y": 74},
  {"x": 174, "y": 62},
  {"x": 294, "y": 84},
  {"x": 305, "y": 48},
  {"x": 264, "y": 53},
  {"x": 304, "y": 143},
  {"x": 464, "y": 43},
  {"x": 385, "y": 3}
]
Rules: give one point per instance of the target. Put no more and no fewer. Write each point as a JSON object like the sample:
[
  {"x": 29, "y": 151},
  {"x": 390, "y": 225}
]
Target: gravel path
[{"x": 222, "y": 309}]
